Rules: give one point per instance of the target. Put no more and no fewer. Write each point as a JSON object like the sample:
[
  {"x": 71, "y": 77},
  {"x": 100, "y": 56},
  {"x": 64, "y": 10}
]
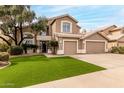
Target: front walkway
[{"x": 112, "y": 77}]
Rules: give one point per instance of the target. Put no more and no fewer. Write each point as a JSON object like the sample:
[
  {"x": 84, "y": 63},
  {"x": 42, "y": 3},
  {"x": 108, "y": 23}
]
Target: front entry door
[{"x": 44, "y": 47}]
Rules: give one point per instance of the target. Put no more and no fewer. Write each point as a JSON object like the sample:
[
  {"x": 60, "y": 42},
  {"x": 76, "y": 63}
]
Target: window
[{"x": 66, "y": 27}]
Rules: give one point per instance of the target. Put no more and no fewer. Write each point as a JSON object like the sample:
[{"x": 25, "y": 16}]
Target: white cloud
[{"x": 61, "y": 8}]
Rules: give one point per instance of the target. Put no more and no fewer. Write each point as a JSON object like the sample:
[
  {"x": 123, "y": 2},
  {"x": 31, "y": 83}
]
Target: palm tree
[{"x": 39, "y": 26}]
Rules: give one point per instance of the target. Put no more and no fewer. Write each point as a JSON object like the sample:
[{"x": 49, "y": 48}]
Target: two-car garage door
[
  {"x": 95, "y": 47},
  {"x": 70, "y": 47}
]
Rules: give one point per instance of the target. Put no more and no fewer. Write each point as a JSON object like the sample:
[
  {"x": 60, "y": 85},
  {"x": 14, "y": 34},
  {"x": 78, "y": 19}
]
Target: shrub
[
  {"x": 3, "y": 47},
  {"x": 4, "y": 56},
  {"x": 53, "y": 45},
  {"x": 29, "y": 46},
  {"x": 114, "y": 50},
  {"x": 16, "y": 50},
  {"x": 119, "y": 50}
]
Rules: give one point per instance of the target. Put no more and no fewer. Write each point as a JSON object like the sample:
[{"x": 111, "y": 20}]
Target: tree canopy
[{"x": 14, "y": 17}]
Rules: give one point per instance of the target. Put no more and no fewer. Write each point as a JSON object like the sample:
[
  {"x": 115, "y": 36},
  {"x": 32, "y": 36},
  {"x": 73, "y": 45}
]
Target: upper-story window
[{"x": 66, "y": 26}]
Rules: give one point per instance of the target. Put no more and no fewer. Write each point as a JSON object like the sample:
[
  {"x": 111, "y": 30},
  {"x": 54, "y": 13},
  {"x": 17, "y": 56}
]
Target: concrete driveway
[
  {"x": 112, "y": 77},
  {"x": 105, "y": 60}
]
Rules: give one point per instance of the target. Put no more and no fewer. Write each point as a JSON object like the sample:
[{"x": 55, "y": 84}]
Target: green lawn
[{"x": 26, "y": 71}]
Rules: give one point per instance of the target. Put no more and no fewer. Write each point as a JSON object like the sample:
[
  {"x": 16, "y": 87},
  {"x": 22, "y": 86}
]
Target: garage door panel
[
  {"x": 95, "y": 47},
  {"x": 70, "y": 47}
]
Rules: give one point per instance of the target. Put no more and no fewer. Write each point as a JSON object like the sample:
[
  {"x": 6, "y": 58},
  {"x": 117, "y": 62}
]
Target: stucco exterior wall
[
  {"x": 54, "y": 27},
  {"x": 95, "y": 36},
  {"x": 116, "y": 33},
  {"x": 112, "y": 44},
  {"x": 80, "y": 44}
]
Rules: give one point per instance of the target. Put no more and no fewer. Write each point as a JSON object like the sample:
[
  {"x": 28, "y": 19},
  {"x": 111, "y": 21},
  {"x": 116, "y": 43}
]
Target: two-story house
[{"x": 66, "y": 31}]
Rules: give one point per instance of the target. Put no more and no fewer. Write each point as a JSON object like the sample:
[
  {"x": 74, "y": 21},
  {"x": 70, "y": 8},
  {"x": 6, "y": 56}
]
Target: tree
[
  {"x": 39, "y": 26},
  {"x": 13, "y": 18}
]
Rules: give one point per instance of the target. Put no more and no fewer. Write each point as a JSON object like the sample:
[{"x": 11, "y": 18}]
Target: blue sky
[{"x": 90, "y": 17}]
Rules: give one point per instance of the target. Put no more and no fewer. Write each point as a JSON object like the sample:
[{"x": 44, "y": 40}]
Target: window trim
[{"x": 62, "y": 22}]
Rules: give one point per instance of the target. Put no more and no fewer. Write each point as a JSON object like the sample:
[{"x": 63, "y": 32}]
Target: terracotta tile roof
[
  {"x": 115, "y": 37},
  {"x": 102, "y": 29},
  {"x": 117, "y": 29},
  {"x": 105, "y": 32}
]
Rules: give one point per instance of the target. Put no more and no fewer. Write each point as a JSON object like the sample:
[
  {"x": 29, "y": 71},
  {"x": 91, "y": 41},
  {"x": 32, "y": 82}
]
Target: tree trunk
[
  {"x": 21, "y": 33},
  {"x": 15, "y": 35},
  {"x": 35, "y": 37}
]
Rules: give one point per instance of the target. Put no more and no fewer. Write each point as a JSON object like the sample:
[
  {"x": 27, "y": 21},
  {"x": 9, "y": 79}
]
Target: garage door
[
  {"x": 95, "y": 47},
  {"x": 70, "y": 47}
]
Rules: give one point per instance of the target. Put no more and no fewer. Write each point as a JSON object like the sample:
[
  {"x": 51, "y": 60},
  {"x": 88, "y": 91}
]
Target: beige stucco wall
[
  {"x": 80, "y": 44},
  {"x": 116, "y": 33},
  {"x": 121, "y": 41},
  {"x": 95, "y": 36},
  {"x": 75, "y": 28},
  {"x": 54, "y": 27},
  {"x": 112, "y": 44},
  {"x": 60, "y": 40}
]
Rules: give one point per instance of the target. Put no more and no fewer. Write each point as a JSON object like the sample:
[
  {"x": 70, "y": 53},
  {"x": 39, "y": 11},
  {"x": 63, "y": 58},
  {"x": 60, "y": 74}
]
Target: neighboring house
[{"x": 115, "y": 36}]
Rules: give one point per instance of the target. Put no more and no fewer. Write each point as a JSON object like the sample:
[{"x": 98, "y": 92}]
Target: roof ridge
[{"x": 60, "y": 16}]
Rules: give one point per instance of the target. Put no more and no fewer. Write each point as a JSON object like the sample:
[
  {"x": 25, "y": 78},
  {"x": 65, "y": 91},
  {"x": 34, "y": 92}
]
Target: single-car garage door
[
  {"x": 70, "y": 47},
  {"x": 95, "y": 47}
]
